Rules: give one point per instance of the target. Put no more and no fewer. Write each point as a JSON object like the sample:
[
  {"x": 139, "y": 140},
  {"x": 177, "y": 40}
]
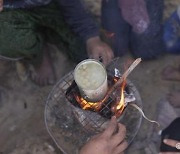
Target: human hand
[
  {"x": 96, "y": 49},
  {"x": 1, "y": 5},
  {"x": 111, "y": 141},
  {"x": 172, "y": 143}
]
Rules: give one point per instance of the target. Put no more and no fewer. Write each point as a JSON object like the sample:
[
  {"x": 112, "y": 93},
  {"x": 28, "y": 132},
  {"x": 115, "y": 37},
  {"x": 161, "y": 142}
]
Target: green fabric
[{"x": 24, "y": 32}]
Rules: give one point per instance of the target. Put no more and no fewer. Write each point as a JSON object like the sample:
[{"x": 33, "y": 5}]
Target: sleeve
[
  {"x": 15, "y": 4},
  {"x": 79, "y": 20}
]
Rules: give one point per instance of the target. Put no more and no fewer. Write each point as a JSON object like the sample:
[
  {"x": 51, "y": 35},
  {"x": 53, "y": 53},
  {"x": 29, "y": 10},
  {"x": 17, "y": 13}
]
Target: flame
[
  {"x": 86, "y": 105},
  {"x": 120, "y": 105},
  {"x": 116, "y": 108}
]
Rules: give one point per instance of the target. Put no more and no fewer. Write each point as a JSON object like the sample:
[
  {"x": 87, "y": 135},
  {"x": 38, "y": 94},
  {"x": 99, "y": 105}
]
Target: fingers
[
  {"x": 100, "y": 53},
  {"x": 94, "y": 55},
  {"x": 96, "y": 49},
  {"x": 121, "y": 148},
  {"x": 119, "y": 137},
  {"x": 105, "y": 58},
  {"x": 110, "y": 53},
  {"x": 107, "y": 54},
  {"x": 111, "y": 127},
  {"x": 170, "y": 142}
]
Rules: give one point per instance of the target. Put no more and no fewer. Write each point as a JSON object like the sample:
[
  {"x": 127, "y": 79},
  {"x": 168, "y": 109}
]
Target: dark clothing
[
  {"x": 171, "y": 34},
  {"x": 26, "y": 25},
  {"x": 73, "y": 11},
  {"x": 78, "y": 19},
  {"x": 135, "y": 13},
  {"x": 171, "y": 132},
  {"x": 16, "y": 4},
  {"x": 148, "y": 44},
  {"x": 24, "y": 32}
]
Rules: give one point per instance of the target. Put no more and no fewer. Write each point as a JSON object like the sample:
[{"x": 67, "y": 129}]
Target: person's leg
[
  {"x": 43, "y": 73},
  {"x": 58, "y": 32},
  {"x": 150, "y": 44},
  {"x": 19, "y": 37},
  {"x": 117, "y": 29}
]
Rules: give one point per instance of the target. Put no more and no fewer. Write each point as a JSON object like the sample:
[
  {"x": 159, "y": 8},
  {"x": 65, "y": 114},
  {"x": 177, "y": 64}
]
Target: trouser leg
[
  {"x": 24, "y": 32},
  {"x": 150, "y": 44},
  {"x": 54, "y": 27},
  {"x": 19, "y": 36},
  {"x": 117, "y": 28}
]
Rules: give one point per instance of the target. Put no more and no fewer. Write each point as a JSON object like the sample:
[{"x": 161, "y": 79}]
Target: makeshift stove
[{"x": 71, "y": 120}]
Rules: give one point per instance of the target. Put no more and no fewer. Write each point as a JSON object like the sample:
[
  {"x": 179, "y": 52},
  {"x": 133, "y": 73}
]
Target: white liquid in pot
[{"x": 90, "y": 75}]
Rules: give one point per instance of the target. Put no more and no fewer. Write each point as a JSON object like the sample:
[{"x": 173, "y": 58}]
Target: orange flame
[
  {"x": 116, "y": 108},
  {"x": 86, "y": 105},
  {"x": 119, "y": 107}
]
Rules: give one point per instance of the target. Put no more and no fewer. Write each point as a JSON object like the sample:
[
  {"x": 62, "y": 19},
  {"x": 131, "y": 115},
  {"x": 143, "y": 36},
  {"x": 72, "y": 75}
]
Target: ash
[
  {"x": 69, "y": 125},
  {"x": 105, "y": 110}
]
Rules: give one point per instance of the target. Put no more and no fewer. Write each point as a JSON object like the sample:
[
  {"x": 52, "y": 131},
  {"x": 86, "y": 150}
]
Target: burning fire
[
  {"x": 85, "y": 105},
  {"x": 117, "y": 108}
]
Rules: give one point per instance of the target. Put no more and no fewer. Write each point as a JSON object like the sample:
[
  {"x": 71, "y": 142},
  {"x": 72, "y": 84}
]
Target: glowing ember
[
  {"x": 117, "y": 108},
  {"x": 85, "y": 105}
]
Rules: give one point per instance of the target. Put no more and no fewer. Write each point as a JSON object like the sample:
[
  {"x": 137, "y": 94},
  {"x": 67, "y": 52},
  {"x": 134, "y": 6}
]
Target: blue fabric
[{"x": 172, "y": 34}]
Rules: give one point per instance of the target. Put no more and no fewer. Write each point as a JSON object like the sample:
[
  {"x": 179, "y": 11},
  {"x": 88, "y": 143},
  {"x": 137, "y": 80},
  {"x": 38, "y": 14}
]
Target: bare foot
[
  {"x": 174, "y": 98},
  {"x": 43, "y": 74},
  {"x": 171, "y": 73}
]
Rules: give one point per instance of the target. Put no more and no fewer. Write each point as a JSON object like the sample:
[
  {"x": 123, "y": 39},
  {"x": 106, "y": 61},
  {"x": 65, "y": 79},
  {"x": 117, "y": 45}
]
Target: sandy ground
[{"x": 22, "y": 129}]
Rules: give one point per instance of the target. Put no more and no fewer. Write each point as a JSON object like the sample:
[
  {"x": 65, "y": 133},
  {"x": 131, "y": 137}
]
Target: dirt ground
[{"x": 22, "y": 129}]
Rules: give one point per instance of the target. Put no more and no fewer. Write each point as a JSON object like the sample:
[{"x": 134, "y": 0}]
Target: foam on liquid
[{"x": 90, "y": 75}]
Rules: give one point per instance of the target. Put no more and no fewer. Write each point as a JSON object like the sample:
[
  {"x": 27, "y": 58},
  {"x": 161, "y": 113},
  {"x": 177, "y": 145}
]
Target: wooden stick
[{"x": 124, "y": 76}]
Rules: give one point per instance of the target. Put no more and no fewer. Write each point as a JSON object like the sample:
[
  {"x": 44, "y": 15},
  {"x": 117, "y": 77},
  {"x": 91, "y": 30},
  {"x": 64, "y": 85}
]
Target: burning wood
[
  {"x": 118, "y": 108},
  {"x": 123, "y": 78},
  {"x": 109, "y": 106},
  {"x": 85, "y": 105},
  {"x": 69, "y": 114}
]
